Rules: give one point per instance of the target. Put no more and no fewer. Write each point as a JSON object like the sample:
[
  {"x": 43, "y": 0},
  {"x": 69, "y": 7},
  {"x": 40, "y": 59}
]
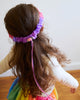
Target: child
[{"x": 36, "y": 64}]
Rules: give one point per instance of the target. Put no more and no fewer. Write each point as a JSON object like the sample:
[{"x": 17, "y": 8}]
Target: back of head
[{"x": 21, "y": 21}]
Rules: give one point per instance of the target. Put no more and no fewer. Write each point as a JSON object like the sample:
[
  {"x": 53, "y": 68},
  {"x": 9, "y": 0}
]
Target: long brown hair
[{"x": 20, "y": 21}]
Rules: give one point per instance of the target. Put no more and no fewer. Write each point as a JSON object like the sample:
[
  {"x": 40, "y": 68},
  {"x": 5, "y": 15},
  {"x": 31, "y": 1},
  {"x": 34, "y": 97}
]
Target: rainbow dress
[{"x": 16, "y": 93}]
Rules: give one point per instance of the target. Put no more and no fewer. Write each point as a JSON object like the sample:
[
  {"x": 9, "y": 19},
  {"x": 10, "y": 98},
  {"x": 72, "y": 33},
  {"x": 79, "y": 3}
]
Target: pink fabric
[
  {"x": 45, "y": 98},
  {"x": 42, "y": 98}
]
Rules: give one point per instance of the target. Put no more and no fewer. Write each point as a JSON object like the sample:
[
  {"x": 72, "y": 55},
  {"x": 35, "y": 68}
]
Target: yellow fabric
[
  {"x": 21, "y": 96},
  {"x": 55, "y": 93}
]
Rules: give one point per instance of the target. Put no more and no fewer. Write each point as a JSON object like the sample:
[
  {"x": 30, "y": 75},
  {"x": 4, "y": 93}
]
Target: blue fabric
[{"x": 12, "y": 86}]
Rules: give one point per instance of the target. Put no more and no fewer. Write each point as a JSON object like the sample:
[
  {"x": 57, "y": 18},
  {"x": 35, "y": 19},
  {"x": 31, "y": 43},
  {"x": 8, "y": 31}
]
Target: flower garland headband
[
  {"x": 29, "y": 38},
  {"x": 33, "y": 35}
]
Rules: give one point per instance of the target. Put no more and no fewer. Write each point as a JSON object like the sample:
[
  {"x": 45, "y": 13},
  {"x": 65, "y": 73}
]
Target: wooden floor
[{"x": 63, "y": 91}]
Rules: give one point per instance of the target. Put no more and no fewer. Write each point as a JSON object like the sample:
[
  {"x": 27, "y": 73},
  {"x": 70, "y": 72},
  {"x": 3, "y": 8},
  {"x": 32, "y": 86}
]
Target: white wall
[{"x": 62, "y": 23}]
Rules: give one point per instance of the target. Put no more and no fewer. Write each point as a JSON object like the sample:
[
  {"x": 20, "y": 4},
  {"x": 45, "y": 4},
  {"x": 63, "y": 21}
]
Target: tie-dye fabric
[{"x": 16, "y": 93}]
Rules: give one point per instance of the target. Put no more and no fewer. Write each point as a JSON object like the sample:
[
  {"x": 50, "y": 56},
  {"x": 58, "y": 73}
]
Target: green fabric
[{"x": 13, "y": 94}]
